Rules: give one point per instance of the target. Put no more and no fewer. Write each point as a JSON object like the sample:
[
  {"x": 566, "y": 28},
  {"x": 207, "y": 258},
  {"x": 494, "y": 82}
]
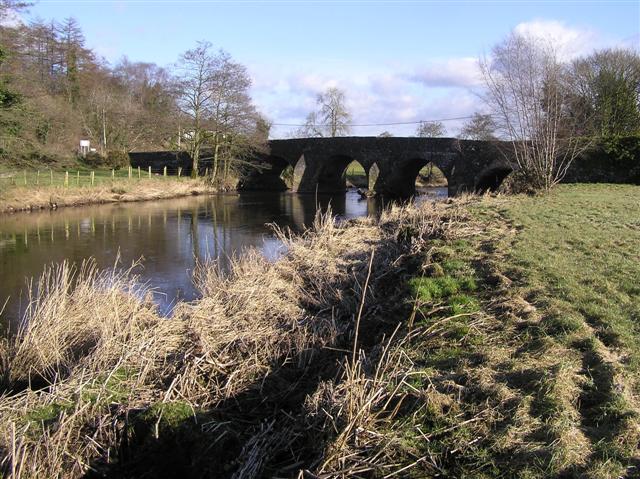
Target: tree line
[{"x": 54, "y": 90}]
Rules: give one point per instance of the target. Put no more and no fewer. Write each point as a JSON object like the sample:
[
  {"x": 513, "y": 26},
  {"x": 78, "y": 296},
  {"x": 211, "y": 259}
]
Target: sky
[{"x": 397, "y": 61}]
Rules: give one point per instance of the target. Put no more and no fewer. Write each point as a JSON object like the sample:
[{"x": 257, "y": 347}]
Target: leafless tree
[
  {"x": 430, "y": 129},
  {"x": 233, "y": 116},
  {"x": 332, "y": 117},
  {"x": 311, "y": 128},
  {"x": 195, "y": 71},
  {"x": 525, "y": 90},
  {"x": 333, "y": 111},
  {"x": 479, "y": 127}
]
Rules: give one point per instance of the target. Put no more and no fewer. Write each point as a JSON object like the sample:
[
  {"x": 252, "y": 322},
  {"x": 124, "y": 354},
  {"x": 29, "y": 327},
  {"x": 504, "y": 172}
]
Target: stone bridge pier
[{"x": 392, "y": 164}]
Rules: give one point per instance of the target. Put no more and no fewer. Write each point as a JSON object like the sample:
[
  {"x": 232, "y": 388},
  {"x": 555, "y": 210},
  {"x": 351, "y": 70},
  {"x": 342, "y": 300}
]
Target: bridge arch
[
  {"x": 332, "y": 173},
  {"x": 400, "y": 180},
  {"x": 491, "y": 178}
]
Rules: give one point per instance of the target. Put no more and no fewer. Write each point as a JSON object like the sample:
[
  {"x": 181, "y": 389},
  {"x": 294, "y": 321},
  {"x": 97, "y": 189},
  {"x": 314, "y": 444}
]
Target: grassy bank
[
  {"x": 485, "y": 337},
  {"x": 46, "y": 193}
]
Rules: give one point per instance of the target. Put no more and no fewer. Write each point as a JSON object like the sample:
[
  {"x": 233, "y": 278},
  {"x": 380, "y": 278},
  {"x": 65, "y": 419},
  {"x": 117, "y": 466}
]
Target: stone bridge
[{"x": 392, "y": 164}]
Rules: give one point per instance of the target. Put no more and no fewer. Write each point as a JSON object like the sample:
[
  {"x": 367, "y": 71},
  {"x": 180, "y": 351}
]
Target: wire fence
[{"x": 86, "y": 178}]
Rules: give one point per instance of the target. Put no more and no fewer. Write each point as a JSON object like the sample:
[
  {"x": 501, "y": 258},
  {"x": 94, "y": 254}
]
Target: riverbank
[
  {"x": 481, "y": 337},
  {"x": 31, "y": 197}
]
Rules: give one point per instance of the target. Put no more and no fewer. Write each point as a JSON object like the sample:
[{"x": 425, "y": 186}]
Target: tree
[
  {"x": 311, "y": 127},
  {"x": 195, "y": 70},
  {"x": 605, "y": 92},
  {"x": 526, "y": 92},
  {"x": 332, "y": 118},
  {"x": 385, "y": 134},
  {"x": 9, "y": 7},
  {"x": 333, "y": 112},
  {"x": 479, "y": 127},
  {"x": 233, "y": 115},
  {"x": 430, "y": 129}
]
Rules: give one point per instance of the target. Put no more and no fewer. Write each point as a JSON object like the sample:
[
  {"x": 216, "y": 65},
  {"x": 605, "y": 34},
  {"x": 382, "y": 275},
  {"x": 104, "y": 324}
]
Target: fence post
[
  {"x": 179, "y": 171},
  {"x": 51, "y": 177},
  {"x": 139, "y": 173},
  {"x": 129, "y": 172},
  {"x": 93, "y": 176},
  {"x": 38, "y": 177},
  {"x": 164, "y": 172},
  {"x": 113, "y": 174},
  {"x": 78, "y": 178},
  {"x": 149, "y": 172},
  {"x": 24, "y": 172},
  {"x": 66, "y": 179},
  {"x": 206, "y": 171}
]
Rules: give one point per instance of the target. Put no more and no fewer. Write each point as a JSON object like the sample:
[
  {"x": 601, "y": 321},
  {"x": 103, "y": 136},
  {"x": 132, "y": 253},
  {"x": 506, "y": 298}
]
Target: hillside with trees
[{"x": 54, "y": 91}]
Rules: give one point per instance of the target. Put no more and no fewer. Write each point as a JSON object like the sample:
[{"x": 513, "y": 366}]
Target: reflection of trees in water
[{"x": 170, "y": 235}]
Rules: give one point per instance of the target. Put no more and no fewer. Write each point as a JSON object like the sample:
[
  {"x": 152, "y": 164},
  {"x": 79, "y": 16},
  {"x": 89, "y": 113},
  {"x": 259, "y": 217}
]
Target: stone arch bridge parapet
[{"x": 391, "y": 163}]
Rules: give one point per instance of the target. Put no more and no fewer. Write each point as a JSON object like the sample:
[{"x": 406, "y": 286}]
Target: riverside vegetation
[
  {"x": 49, "y": 189},
  {"x": 479, "y": 337}
]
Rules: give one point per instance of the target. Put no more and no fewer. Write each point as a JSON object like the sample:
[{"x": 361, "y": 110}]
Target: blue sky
[{"x": 396, "y": 60}]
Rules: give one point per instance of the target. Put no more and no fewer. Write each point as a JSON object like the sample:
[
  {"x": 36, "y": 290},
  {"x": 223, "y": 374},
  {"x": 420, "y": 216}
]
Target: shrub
[
  {"x": 117, "y": 159},
  {"x": 94, "y": 159}
]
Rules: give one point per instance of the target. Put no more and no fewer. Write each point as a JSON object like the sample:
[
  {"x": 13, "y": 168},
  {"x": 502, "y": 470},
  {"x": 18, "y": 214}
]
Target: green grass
[
  {"x": 579, "y": 248},
  {"x": 78, "y": 176}
]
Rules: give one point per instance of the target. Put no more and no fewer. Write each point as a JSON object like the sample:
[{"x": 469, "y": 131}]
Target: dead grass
[{"x": 45, "y": 197}]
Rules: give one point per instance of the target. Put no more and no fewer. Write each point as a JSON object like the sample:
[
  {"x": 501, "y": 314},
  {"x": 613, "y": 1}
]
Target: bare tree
[
  {"x": 311, "y": 128},
  {"x": 430, "y": 129},
  {"x": 195, "y": 71},
  {"x": 333, "y": 111},
  {"x": 233, "y": 116},
  {"x": 331, "y": 119},
  {"x": 526, "y": 92},
  {"x": 479, "y": 127}
]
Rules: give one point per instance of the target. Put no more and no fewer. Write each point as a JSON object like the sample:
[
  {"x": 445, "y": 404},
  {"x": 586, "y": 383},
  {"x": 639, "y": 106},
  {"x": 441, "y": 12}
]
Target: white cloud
[
  {"x": 374, "y": 96},
  {"x": 453, "y": 72},
  {"x": 390, "y": 92},
  {"x": 569, "y": 42}
]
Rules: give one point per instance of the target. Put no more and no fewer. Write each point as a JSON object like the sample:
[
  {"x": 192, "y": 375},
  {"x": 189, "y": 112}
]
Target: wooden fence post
[
  {"x": 78, "y": 178},
  {"x": 149, "y": 172},
  {"x": 66, "y": 179},
  {"x": 38, "y": 177},
  {"x": 164, "y": 172},
  {"x": 51, "y": 177},
  {"x": 93, "y": 176},
  {"x": 24, "y": 172},
  {"x": 139, "y": 173},
  {"x": 129, "y": 172},
  {"x": 179, "y": 171},
  {"x": 113, "y": 174}
]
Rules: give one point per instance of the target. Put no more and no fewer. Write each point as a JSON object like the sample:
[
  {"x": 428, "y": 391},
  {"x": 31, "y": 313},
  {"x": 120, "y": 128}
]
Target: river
[{"x": 168, "y": 236}]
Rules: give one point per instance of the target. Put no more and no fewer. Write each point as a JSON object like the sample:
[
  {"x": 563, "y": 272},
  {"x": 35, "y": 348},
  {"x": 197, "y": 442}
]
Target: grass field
[
  {"x": 34, "y": 189},
  {"x": 80, "y": 176},
  {"x": 537, "y": 361}
]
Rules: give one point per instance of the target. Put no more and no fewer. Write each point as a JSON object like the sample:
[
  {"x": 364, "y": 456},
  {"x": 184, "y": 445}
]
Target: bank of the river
[
  {"x": 33, "y": 197},
  {"x": 488, "y": 337}
]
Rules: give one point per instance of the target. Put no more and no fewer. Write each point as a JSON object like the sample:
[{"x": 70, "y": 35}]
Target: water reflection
[{"x": 170, "y": 236}]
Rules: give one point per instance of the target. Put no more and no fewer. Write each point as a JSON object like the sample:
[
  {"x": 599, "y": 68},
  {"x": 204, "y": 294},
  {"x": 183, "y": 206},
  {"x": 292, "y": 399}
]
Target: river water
[{"x": 169, "y": 236}]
